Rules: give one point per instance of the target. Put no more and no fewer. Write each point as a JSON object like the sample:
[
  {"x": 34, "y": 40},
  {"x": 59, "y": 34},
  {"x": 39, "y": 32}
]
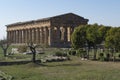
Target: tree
[
  {"x": 93, "y": 37},
  {"x": 33, "y": 50},
  {"x": 103, "y": 31},
  {"x": 78, "y": 38},
  {"x": 112, "y": 40},
  {"x": 4, "y": 44}
]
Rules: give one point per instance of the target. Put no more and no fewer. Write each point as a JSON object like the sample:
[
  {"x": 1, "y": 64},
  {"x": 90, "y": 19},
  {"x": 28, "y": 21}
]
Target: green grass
[{"x": 68, "y": 70}]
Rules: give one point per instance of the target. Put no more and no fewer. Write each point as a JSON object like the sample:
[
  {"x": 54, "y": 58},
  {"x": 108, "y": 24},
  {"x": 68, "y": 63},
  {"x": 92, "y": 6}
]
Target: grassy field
[
  {"x": 75, "y": 69},
  {"x": 67, "y": 70}
]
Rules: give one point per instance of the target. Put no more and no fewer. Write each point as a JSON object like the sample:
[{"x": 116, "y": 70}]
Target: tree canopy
[{"x": 95, "y": 35}]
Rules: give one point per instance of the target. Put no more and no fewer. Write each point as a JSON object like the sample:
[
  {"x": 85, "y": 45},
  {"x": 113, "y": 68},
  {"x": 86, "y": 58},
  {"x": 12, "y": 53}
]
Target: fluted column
[
  {"x": 33, "y": 35},
  {"x": 20, "y": 36},
  {"x": 65, "y": 34},
  {"x": 62, "y": 33},
  {"x": 58, "y": 35},
  {"x": 69, "y": 33},
  {"x": 29, "y": 35},
  {"x": 38, "y": 30},
  {"x": 14, "y": 37},
  {"x": 50, "y": 36},
  {"x": 17, "y": 36},
  {"x": 37, "y": 35},
  {"x": 24, "y": 35},
  {"x": 12, "y": 33},
  {"x": 46, "y": 35},
  {"x": 42, "y": 35}
]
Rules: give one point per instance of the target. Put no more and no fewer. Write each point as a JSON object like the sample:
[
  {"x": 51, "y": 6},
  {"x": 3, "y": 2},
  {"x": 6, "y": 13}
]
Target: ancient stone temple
[{"x": 53, "y": 31}]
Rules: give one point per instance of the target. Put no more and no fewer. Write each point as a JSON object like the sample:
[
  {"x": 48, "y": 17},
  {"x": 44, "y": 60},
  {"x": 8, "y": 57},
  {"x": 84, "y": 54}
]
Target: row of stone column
[
  {"x": 36, "y": 35},
  {"x": 43, "y": 35},
  {"x": 62, "y": 34}
]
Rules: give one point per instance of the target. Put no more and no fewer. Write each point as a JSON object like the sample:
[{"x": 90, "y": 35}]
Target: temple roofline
[{"x": 43, "y": 19}]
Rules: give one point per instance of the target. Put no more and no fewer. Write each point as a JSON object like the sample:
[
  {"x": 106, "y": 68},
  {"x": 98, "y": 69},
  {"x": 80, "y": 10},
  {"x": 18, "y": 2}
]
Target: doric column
[
  {"x": 24, "y": 35},
  {"x": 50, "y": 38},
  {"x": 14, "y": 37},
  {"x": 35, "y": 31},
  {"x": 37, "y": 35},
  {"x": 69, "y": 33},
  {"x": 33, "y": 35},
  {"x": 46, "y": 34},
  {"x": 11, "y": 36},
  {"x": 42, "y": 35},
  {"x": 58, "y": 35},
  {"x": 65, "y": 34},
  {"x": 20, "y": 36},
  {"x": 17, "y": 36},
  {"x": 29, "y": 35}
]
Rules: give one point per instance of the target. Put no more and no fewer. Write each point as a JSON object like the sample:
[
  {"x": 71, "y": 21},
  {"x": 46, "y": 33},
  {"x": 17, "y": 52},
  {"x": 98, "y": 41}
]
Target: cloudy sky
[{"x": 106, "y": 12}]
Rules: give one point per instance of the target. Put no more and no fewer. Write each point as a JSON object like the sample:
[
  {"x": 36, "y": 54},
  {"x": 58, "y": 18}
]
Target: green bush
[
  {"x": 60, "y": 54},
  {"x": 22, "y": 48},
  {"x": 101, "y": 57},
  {"x": 107, "y": 57},
  {"x": 72, "y": 52},
  {"x": 81, "y": 53},
  {"x": 119, "y": 55}
]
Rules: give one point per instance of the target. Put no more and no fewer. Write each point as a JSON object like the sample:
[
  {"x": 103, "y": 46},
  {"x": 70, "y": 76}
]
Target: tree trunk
[
  {"x": 34, "y": 57},
  {"x": 88, "y": 54},
  {"x": 95, "y": 51},
  {"x": 5, "y": 52}
]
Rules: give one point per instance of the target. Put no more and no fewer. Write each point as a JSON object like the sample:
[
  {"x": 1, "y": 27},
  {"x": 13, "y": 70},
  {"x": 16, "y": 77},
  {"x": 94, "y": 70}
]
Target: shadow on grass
[
  {"x": 15, "y": 63},
  {"x": 61, "y": 64},
  {"x": 73, "y": 64},
  {"x": 38, "y": 63}
]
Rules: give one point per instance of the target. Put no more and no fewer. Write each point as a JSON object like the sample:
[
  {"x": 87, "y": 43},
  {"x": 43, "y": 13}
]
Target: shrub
[
  {"x": 101, "y": 57},
  {"x": 107, "y": 57},
  {"x": 60, "y": 54},
  {"x": 72, "y": 52},
  {"x": 119, "y": 55},
  {"x": 22, "y": 48},
  {"x": 82, "y": 53}
]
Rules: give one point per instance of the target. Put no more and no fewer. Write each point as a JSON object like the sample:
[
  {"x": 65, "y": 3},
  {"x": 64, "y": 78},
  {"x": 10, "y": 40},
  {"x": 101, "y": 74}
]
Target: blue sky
[{"x": 106, "y": 12}]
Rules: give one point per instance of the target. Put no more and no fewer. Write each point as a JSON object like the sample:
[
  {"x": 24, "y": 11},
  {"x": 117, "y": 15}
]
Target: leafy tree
[
  {"x": 93, "y": 36},
  {"x": 112, "y": 39},
  {"x": 103, "y": 31},
  {"x": 78, "y": 38},
  {"x": 4, "y": 44}
]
